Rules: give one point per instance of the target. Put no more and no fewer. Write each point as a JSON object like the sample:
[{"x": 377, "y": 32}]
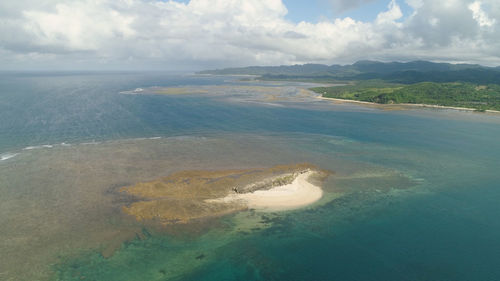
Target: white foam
[
  {"x": 38, "y": 146},
  {"x": 133, "y": 92},
  {"x": 7, "y": 156}
]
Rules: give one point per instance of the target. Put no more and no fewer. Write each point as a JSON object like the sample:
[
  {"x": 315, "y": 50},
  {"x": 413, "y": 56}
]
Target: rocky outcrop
[{"x": 269, "y": 183}]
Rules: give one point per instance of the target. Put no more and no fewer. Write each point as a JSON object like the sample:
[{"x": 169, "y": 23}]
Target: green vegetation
[
  {"x": 417, "y": 82},
  {"x": 457, "y": 94}
]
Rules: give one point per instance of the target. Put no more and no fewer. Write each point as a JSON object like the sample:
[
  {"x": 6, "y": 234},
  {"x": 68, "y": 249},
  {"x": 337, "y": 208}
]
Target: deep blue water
[{"x": 450, "y": 232}]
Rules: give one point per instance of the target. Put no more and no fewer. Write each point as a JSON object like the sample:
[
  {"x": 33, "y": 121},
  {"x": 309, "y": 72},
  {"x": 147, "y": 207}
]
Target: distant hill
[
  {"x": 420, "y": 66},
  {"x": 277, "y": 70},
  {"x": 399, "y": 72},
  {"x": 471, "y": 75}
]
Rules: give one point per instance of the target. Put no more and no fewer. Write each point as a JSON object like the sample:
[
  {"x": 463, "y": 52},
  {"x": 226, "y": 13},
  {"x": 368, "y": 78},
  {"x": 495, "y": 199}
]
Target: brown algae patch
[
  {"x": 179, "y": 91},
  {"x": 269, "y": 93},
  {"x": 191, "y": 195}
]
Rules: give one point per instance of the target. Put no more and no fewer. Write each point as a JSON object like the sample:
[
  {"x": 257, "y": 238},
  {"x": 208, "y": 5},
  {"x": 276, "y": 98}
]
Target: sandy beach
[
  {"x": 404, "y": 104},
  {"x": 297, "y": 194}
]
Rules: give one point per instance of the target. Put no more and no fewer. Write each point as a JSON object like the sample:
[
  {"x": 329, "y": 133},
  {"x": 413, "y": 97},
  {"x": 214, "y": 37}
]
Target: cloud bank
[{"x": 142, "y": 34}]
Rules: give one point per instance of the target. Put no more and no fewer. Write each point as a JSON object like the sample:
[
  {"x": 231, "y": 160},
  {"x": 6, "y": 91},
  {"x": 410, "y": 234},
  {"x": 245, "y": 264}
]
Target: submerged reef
[{"x": 190, "y": 195}]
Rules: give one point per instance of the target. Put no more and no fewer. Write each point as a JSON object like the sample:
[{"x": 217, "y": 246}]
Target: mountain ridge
[{"x": 399, "y": 72}]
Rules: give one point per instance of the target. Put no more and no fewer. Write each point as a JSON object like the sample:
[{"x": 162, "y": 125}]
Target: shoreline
[
  {"x": 410, "y": 105},
  {"x": 297, "y": 194}
]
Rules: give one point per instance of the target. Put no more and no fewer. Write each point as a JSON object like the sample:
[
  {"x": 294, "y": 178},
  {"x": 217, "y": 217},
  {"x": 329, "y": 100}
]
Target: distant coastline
[
  {"x": 406, "y": 105},
  {"x": 468, "y": 87}
]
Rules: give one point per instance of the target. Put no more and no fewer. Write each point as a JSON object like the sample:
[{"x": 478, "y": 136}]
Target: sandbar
[{"x": 294, "y": 195}]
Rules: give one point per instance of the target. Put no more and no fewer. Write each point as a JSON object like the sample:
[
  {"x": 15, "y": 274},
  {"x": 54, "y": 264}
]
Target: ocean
[{"x": 414, "y": 193}]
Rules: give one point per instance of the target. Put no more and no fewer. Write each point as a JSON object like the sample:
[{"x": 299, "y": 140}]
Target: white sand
[
  {"x": 382, "y": 105},
  {"x": 297, "y": 194}
]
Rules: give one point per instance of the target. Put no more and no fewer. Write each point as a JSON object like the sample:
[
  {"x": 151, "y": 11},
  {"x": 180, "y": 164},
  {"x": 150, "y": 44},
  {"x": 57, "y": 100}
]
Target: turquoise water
[{"x": 414, "y": 196}]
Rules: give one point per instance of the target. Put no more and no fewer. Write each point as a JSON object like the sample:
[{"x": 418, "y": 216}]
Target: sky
[{"x": 204, "y": 34}]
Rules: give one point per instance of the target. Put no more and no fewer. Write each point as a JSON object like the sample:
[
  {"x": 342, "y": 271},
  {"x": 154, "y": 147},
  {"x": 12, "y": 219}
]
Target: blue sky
[
  {"x": 318, "y": 10},
  {"x": 314, "y": 11}
]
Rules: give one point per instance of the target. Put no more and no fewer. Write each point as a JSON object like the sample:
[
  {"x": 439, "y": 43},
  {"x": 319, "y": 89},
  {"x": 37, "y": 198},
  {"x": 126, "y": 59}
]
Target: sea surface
[{"x": 415, "y": 193}]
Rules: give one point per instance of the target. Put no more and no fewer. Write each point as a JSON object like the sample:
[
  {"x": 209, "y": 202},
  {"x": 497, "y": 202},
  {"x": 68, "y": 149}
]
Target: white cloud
[
  {"x": 340, "y": 6},
  {"x": 391, "y": 15},
  {"x": 78, "y": 26},
  {"x": 217, "y": 33},
  {"x": 415, "y": 4},
  {"x": 479, "y": 15}
]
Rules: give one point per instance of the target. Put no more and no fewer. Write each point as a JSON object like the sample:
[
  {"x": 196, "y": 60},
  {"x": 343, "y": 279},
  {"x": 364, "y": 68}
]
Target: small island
[{"x": 187, "y": 196}]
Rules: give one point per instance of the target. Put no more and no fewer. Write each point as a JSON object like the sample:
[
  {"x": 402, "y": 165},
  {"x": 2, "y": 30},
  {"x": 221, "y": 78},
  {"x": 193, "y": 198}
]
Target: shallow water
[{"x": 414, "y": 195}]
